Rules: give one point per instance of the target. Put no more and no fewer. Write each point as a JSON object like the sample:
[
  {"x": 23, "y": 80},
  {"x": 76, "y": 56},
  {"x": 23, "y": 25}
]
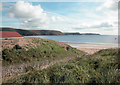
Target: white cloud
[
  {"x": 101, "y": 25},
  {"x": 110, "y": 10},
  {"x": 57, "y": 18},
  {"x": 31, "y": 16},
  {"x": 54, "y": 17},
  {"x": 35, "y": 17},
  {"x": 111, "y": 5},
  {"x": 1, "y": 7}
]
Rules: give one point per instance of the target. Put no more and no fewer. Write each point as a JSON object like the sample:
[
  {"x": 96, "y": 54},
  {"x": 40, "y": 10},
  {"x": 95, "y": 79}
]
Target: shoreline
[{"x": 91, "y": 48}]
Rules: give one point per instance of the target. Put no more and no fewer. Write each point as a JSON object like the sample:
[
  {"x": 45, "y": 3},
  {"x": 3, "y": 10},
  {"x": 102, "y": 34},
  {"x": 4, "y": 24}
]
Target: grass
[
  {"x": 101, "y": 67},
  {"x": 44, "y": 49},
  {"x": 35, "y": 40}
]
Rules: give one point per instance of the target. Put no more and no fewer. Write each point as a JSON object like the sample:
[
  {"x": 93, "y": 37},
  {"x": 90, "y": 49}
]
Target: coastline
[{"x": 91, "y": 48}]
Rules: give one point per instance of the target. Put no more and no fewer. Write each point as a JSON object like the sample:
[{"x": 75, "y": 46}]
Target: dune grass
[
  {"x": 101, "y": 67},
  {"x": 47, "y": 49}
]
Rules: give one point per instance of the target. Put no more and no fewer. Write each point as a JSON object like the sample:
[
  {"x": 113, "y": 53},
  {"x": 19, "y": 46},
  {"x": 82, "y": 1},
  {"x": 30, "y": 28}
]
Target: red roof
[{"x": 9, "y": 34}]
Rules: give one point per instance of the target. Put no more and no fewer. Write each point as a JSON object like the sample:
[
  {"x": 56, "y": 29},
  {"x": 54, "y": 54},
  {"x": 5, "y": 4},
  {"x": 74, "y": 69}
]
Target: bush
[{"x": 17, "y": 47}]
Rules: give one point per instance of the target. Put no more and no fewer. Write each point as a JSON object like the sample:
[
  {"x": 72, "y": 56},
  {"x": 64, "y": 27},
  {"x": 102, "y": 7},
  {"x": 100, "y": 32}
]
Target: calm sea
[{"x": 106, "y": 39}]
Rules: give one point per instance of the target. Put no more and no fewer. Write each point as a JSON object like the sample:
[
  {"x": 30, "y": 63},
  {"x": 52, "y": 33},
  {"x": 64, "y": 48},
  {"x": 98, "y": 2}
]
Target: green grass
[
  {"x": 35, "y": 41},
  {"x": 47, "y": 49},
  {"x": 101, "y": 67}
]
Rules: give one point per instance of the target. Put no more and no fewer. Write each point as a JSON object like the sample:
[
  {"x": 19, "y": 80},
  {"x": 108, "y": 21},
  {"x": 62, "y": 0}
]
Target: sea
[{"x": 103, "y": 39}]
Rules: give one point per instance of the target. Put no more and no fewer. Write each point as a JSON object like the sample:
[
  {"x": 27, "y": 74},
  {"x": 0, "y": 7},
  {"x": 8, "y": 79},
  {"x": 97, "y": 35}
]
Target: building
[{"x": 10, "y": 34}]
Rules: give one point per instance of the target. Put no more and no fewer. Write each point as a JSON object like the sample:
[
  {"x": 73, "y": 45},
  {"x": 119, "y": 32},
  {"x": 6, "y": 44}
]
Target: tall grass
[{"x": 101, "y": 67}]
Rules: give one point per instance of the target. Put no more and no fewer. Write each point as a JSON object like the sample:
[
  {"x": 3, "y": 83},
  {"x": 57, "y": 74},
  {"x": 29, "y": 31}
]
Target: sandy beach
[{"x": 91, "y": 47}]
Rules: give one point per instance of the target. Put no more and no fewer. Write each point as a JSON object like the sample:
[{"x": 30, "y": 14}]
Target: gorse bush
[{"x": 97, "y": 68}]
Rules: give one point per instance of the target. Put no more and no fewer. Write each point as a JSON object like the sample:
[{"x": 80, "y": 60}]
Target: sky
[{"x": 83, "y": 17}]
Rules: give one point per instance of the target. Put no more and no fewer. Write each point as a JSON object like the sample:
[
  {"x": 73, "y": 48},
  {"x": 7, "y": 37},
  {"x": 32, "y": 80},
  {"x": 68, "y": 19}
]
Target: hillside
[
  {"x": 77, "y": 33},
  {"x": 19, "y": 55},
  {"x": 35, "y": 60},
  {"x": 42, "y": 32},
  {"x": 26, "y": 50},
  {"x": 101, "y": 67},
  {"x": 33, "y": 32}
]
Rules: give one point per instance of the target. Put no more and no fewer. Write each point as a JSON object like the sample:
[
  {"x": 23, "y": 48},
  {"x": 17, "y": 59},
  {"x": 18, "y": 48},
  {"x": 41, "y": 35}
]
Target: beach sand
[{"x": 91, "y": 48}]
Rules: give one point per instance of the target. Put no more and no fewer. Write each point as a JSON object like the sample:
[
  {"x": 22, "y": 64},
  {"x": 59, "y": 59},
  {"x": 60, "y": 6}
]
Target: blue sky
[{"x": 92, "y": 17}]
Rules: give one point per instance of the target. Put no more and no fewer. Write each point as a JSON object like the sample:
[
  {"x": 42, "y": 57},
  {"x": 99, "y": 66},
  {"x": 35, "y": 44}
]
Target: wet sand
[{"x": 91, "y": 48}]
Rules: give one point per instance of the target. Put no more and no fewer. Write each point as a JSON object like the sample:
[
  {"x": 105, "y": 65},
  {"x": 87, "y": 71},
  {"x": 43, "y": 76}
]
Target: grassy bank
[
  {"x": 19, "y": 51},
  {"x": 101, "y": 67}
]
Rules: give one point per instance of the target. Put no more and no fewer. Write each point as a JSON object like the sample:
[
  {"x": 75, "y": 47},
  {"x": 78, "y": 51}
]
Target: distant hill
[
  {"x": 77, "y": 33},
  {"x": 33, "y": 32},
  {"x": 90, "y": 34},
  {"x": 42, "y": 32}
]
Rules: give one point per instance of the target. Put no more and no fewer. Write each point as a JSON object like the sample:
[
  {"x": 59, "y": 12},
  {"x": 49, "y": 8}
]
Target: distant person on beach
[{"x": 115, "y": 38}]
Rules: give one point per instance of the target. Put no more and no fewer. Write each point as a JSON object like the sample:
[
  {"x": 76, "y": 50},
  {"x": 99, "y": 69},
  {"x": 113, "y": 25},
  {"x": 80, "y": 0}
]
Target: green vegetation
[
  {"x": 41, "y": 50},
  {"x": 42, "y": 32},
  {"x": 33, "y": 32},
  {"x": 101, "y": 67}
]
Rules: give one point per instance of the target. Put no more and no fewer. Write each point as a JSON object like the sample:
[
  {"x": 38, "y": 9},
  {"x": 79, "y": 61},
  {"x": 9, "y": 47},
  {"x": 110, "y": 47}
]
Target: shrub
[{"x": 17, "y": 47}]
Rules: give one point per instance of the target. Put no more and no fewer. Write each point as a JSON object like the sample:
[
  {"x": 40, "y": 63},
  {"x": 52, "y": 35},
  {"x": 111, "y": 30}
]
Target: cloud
[
  {"x": 101, "y": 25},
  {"x": 31, "y": 16},
  {"x": 95, "y": 26},
  {"x": 1, "y": 7},
  {"x": 110, "y": 9},
  {"x": 111, "y": 5},
  {"x": 57, "y": 18},
  {"x": 54, "y": 17}
]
